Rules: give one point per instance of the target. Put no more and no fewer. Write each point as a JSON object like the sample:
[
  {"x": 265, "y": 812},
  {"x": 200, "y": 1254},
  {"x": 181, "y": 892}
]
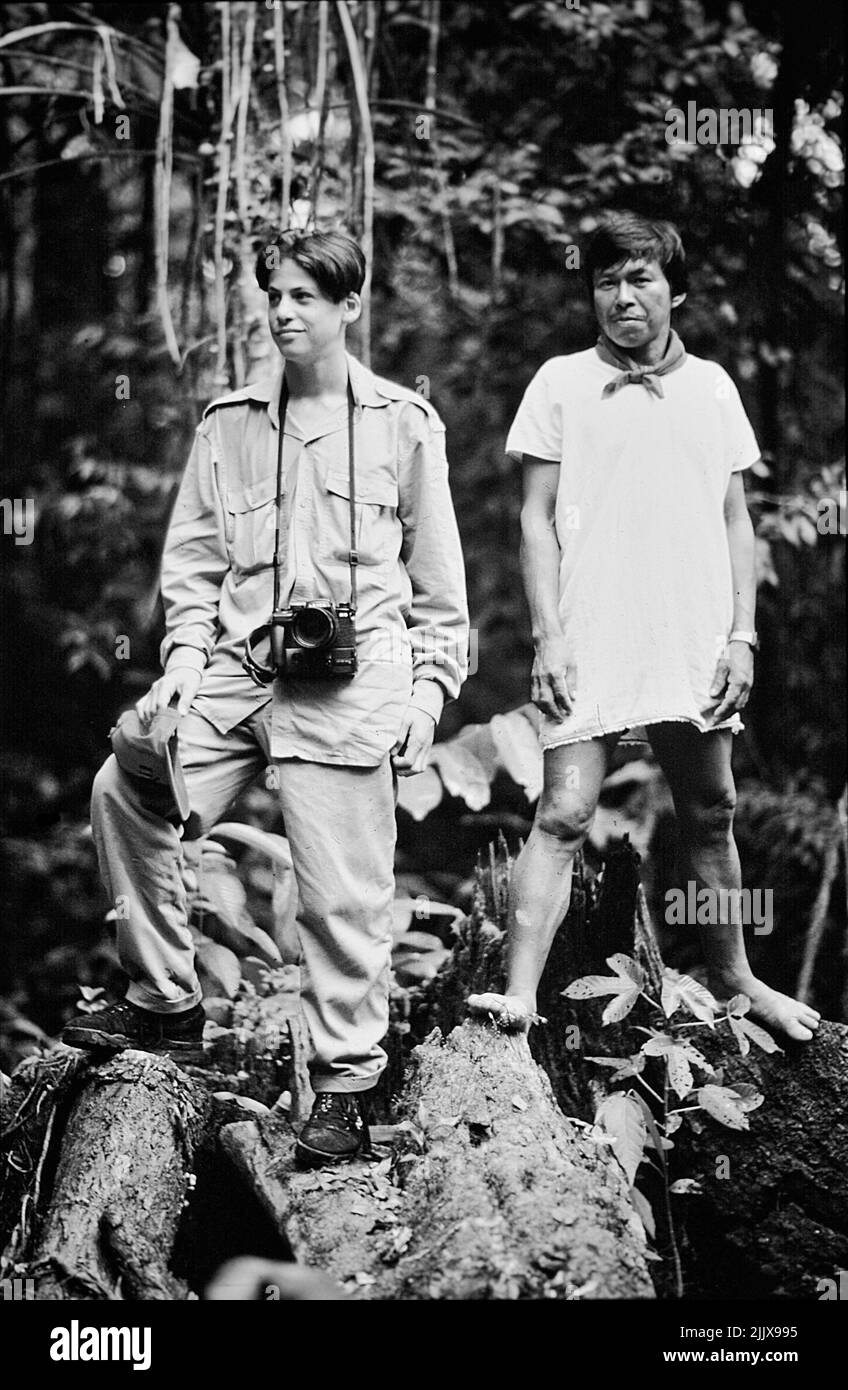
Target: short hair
[
  {"x": 333, "y": 259},
  {"x": 624, "y": 236}
]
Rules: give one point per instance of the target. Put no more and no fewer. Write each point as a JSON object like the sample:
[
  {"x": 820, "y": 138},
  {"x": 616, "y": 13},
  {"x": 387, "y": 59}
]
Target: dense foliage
[{"x": 470, "y": 145}]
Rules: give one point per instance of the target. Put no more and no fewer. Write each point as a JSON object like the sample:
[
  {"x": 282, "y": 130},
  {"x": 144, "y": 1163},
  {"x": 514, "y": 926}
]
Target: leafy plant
[
  {"x": 93, "y": 1001},
  {"x": 627, "y": 1120}
]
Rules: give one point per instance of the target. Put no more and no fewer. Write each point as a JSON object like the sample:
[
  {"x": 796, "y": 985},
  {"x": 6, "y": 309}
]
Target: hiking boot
[
  {"x": 335, "y": 1131},
  {"x": 124, "y": 1025}
]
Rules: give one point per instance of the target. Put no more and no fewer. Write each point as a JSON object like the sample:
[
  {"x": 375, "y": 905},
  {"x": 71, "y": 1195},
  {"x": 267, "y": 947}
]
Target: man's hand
[
  {"x": 409, "y": 752},
  {"x": 182, "y": 680},
  {"x": 553, "y": 682},
  {"x": 733, "y": 680}
]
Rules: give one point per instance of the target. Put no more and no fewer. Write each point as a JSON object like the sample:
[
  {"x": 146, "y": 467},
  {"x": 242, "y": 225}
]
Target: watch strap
[{"x": 743, "y": 635}]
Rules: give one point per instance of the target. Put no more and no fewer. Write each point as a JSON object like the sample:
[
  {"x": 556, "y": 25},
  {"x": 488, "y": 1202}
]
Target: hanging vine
[
  {"x": 283, "y": 105},
  {"x": 368, "y": 161},
  {"x": 241, "y": 281},
  {"x": 163, "y": 174},
  {"x": 321, "y": 103},
  {"x": 220, "y": 299},
  {"x": 430, "y": 98}
]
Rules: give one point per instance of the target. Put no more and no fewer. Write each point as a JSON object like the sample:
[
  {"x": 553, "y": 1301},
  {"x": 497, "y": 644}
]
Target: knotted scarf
[{"x": 632, "y": 374}]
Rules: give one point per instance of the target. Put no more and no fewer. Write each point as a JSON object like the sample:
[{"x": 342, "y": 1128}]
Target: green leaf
[
  {"x": 593, "y": 986},
  {"x": 724, "y": 1105},
  {"x": 221, "y": 890},
  {"x": 275, "y": 846},
  {"x": 749, "y": 1097},
  {"x": 624, "y": 1066},
  {"x": 622, "y": 1118},
  {"x": 644, "y": 1211},
  {"x": 650, "y": 1124},
  {"x": 694, "y": 996},
  {"x": 421, "y": 794},
  {"x": 738, "y": 1005},
  {"x": 759, "y": 1035},
  {"x": 627, "y": 968},
  {"x": 462, "y": 773},
  {"x": 670, "y": 996},
  {"x": 739, "y": 1034},
  {"x": 679, "y": 1072},
  {"x": 619, "y": 1008},
  {"x": 696, "y": 1057},
  {"x": 519, "y": 751}
]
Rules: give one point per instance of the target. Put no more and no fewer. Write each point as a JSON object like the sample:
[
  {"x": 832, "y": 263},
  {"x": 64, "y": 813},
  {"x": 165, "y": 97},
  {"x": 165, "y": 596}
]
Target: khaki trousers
[{"x": 340, "y": 823}]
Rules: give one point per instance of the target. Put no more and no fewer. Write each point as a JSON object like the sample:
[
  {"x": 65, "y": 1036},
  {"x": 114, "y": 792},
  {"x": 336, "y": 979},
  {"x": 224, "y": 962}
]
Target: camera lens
[{"x": 313, "y": 628}]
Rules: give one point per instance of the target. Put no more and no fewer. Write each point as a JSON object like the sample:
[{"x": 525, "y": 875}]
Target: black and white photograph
[{"x": 423, "y": 799}]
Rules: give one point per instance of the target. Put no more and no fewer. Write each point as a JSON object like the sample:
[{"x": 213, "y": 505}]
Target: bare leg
[
  {"x": 697, "y": 767},
  {"x": 540, "y": 891}
]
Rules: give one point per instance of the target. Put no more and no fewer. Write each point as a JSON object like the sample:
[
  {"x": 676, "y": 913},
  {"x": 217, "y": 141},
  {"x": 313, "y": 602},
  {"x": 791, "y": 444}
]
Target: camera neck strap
[{"x": 353, "y": 553}]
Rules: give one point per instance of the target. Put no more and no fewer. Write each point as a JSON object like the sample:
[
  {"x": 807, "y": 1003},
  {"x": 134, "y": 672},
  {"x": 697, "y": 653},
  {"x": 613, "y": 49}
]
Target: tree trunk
[
  {"x": 492, "y": 1185},
  {"x": 120, "y": 1183},
  {"x": 772, "y": 1218},
  {"x": 491, "y": 1192}
]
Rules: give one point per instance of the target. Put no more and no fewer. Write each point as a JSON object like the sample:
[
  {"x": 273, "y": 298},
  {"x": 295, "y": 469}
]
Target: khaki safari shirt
[{"x": 217, "y": 564}]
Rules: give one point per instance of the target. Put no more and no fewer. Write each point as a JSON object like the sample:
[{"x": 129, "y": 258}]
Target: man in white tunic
[{"x": 638, "y": 562}]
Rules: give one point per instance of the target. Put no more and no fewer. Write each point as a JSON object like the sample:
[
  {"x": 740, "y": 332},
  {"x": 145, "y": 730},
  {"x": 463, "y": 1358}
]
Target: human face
[
  {"x": 305, "y": 324},
  {"x": 633, "y": 304}
]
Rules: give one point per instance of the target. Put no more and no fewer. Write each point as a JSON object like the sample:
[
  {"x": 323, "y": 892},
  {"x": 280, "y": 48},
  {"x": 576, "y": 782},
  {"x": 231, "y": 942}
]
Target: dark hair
[
  {"x": 333, "y": 259},
  {"x": 624, "y": 236}
]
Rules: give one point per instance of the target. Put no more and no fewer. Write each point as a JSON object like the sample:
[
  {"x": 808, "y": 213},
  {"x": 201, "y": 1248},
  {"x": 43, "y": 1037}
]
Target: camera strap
[{"x": 353, "y": 553}]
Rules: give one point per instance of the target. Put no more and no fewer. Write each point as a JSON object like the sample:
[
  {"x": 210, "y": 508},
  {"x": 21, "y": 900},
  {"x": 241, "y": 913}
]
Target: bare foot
[
  {"x": 507, "y": 1011},
  {"x": 778, "y": 1012}
]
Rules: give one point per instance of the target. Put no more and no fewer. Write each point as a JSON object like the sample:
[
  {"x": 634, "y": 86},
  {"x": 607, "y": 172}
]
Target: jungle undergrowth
[{"x": 638, "y": 1123}]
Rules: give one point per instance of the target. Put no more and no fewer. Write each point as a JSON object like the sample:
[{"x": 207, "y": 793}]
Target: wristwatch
[{"x": 739, "y": 635}]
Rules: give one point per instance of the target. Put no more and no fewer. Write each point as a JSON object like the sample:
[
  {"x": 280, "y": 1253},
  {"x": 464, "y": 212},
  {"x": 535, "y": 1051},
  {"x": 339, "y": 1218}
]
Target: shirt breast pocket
[
  {"x": 251, "y": 518},
  {"x": 377, "y": 525}
]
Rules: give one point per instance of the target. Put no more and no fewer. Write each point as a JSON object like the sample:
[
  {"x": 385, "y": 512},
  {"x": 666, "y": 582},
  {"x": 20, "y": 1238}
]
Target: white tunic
[{"x": 645, "y": 584}]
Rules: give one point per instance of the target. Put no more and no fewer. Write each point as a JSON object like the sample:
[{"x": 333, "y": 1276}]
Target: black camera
[
  {"x": 312, "y": 640},
  {"x": 309, "y": 641}
]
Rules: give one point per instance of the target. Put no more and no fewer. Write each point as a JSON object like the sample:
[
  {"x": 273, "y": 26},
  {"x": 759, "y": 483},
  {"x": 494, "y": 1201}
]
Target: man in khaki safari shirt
[{"x": 336, "y": 743}]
